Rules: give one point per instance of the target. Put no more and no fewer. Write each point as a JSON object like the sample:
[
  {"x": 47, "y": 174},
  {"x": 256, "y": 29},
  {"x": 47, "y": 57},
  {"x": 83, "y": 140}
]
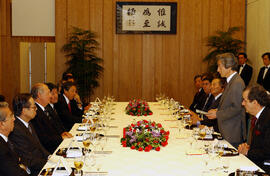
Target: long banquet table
[{"x": 170, "y": 160}]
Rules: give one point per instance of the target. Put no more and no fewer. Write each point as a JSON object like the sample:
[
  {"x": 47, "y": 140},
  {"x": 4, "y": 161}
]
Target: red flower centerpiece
[
  {"x": 138, "y": 108},
  {"x": 145, "y": 135}
]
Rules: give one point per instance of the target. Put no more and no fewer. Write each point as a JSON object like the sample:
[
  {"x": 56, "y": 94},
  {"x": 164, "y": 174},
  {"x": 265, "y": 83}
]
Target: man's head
[
  {"x": 254, "y": 98},
  {"x": 198, "y": 81},
  {"x": 69, "y": 90},
  {"x": 41, "y": 94},
  {"x": 227, "y": 64},
  {"x": 24, "y": 106},
  {"x": 6, "y": 119},
  {"x": 217, "y": 86},
  {"x": 67, "y": 77},
  {"x": 206, "y": 82},
  {"x": 54, "y": 93},
  {"x": 266, "y": 59},
  {"x": 242, "y": 58}
]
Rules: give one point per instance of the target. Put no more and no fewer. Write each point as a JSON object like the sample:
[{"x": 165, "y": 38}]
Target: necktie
[
  {"x": 30, "y": 129},
  {"x": 206, "y": 101},
  {"x": 241, "y": 69},
  {"x": 252, "y": 126},
  {"x": 265, "y": 71},
  {"x": 69, "y": 107},
  {"x": 47, "y": 114}
]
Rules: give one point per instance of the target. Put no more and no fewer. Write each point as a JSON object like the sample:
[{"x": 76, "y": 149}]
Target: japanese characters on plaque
[{"x": 146, "y": 18}]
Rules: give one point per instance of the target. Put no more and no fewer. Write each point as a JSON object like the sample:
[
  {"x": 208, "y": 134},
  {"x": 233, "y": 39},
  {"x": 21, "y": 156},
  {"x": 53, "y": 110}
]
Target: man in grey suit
[{"x": 230, "y": 114}]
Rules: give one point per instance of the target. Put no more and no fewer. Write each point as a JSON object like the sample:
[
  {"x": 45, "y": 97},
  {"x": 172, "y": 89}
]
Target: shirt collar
[
  {"x": 52, "y": 105},
  {"x": 24, "y": 122},
  {"x": 43, "y": 109},
  {"x": 230, "y": 77},
  {"x": 67, "y": 100},
  {"x": 4, "y": 137},
  {"x": 259, "y": 113},
  {"x": 216, "y": 97},
  {"x": 243, "y": 65}
]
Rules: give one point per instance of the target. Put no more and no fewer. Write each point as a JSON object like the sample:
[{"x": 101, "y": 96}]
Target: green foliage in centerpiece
[{"x": 145, "y": 135}]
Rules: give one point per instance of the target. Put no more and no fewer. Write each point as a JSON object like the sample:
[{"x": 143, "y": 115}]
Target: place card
[
  {"x": 94, "y": 173},
  {"x": 102, "y": 152},
  {"x": 112, "y": 136}
]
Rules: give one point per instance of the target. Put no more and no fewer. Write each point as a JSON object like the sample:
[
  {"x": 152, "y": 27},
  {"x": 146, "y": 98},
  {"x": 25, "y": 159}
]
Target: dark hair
[
  {"x": 244, "y": 54},
  {"x": 266, "y": 54},
  {"x": 51, "y": 86},
  {"x": 2, "y": 98},
  {"x": 21, "y": 101},
  {"x": 228, "y": 60},
  {"x": 222, "y": 82},
  {"x": 67, "y": 85},
  {"x": 208, "y": 77},
  {"x": 67, "y": 75},
  {"x": 258, "y": 93},
  {"x": 197, "y": 76}
]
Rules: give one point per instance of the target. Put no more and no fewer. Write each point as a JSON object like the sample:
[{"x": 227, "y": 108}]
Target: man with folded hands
[
  {"x": 24, "y": 138},
  {"x": 257, "y": 103},
  {"x": 199, "y": 94}
]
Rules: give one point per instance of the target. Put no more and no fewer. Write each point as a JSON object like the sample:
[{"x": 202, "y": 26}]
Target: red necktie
[
  {"x": 69, "y": 107},
  {"x": 253, "y": 122}
]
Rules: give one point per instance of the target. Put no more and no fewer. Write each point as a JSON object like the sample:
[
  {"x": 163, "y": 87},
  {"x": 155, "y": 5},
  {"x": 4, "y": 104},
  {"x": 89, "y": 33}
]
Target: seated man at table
[
  {"x": 199, "y": 94},
  {"x": 217, "y": 87},
  {"x": 42, "y": 123},
  {"x": 257, "y": 103},
  {"x": 69, "y": 110},
  {"x": 10, "y": 163},
  {"x": 207, "y": 98},
  {"x": 56, "y": 121},
  {"x": 24, "y": 137}
]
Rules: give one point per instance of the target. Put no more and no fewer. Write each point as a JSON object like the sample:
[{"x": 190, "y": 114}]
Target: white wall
[
  {"x": 258, "y": 33},
  {"x": 33, "y": 17}
]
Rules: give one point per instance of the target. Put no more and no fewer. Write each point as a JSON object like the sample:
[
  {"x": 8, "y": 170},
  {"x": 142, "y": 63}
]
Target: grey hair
[
  {"x": 37, "y": 88},
  {"x": 228, "y": 60},
  {"x": 3, "y": 115}
]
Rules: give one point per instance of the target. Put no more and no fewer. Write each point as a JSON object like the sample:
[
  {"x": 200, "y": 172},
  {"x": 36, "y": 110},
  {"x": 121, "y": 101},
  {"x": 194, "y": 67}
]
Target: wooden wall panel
[
  {"x": 145, "y": 65},
  {"x": 135, "y": 65}
]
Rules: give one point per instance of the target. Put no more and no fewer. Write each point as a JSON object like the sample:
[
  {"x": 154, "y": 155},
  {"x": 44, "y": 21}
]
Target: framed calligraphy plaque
[{"x": 146, "y": 17}]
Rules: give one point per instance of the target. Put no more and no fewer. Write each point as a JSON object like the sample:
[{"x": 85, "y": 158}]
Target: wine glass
[
  {"x": 78, "y": 163},
  {"x": 86, "y": 142}
]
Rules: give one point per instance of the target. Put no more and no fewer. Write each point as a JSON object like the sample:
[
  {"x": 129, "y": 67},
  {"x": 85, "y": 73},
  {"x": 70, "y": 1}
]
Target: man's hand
[
  {"x": 243, "y": 148},
  {"x": 212, "y": 114}
]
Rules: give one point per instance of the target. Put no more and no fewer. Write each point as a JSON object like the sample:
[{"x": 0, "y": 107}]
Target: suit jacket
[
  {"x": 266, "y": 81},
  {"x": 212, "y": 122},
  {"x": 203, "y": 105},
  {"x": 260, "y": 143},
  {"x": 231, "y": 114},
  {"x": 28, "y": 147},
  {"x": 9, "y": 161},
  {"x": 246, "y": 73},
  {"x": 46, "y": 132},
  {"x": 198, "y": 98},
  {"x": 68, "y": 118},
  {"x": 55, "y": 119}
]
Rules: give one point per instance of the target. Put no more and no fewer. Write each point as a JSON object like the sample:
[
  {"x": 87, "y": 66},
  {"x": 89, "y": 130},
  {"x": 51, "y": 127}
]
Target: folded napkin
[
  {"x": 83, "y": 128},
  {"x": 249, "y": 168},
  {"x": 61, "y": 173},
  {"x": 80, "y": 137},
  {"x": 74, "y": 153}
]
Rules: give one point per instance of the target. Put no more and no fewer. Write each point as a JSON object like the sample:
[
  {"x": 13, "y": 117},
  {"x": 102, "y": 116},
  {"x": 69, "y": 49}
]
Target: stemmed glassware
[{"x": 78, "y": 163}]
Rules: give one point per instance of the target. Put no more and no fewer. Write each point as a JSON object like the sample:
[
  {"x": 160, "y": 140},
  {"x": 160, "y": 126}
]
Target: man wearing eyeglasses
[
  {"x": 24, "y": 137},
  {"x": 10, "y": 163}
]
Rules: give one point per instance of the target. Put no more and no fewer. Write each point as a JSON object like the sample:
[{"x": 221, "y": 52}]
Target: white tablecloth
[{"x": 170, "y": 160}]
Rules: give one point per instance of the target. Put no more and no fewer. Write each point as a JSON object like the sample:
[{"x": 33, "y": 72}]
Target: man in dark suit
[
  {"x": 257, "y": 103},
  {"x": 24, "y": 138},
  {"x": 208, "y": 98},
  {"x": 10, "y": 163},
  {"x": 264, "y": 74},
  {"x": 69, "y": 109},
  {"x": 56, "y": 121},
  {"x": 199, "y": 94},
  {"x": 230, "y": 113},
  {"x": 217, "y": 87},
  {"x": 47, "y": 134},
  {"x": 244, "y": 70}
]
